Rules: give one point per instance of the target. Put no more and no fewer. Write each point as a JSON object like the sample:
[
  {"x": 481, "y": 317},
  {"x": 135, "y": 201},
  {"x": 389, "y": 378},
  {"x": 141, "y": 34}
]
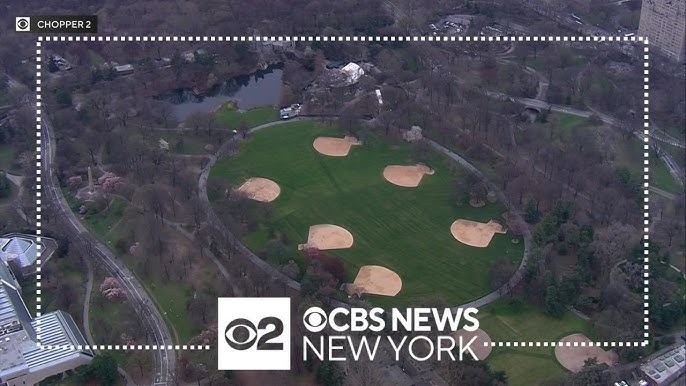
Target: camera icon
[{"x": 22, "y": 24}]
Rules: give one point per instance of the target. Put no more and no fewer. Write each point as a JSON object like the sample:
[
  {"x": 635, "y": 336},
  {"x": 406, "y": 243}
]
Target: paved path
[
  {"x": 87, "y": 303},
  {"x": 215, "y": 221},
  {"x": 519, "y": 273},
  {"x": 152, "y": 321}
]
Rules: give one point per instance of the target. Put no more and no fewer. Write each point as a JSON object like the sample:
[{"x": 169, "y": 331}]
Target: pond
[{"x": 259, "y": 89}]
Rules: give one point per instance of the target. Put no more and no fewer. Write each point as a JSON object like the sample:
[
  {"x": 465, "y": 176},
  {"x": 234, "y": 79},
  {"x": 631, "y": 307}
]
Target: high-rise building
[{"x": 663, "y": 22}]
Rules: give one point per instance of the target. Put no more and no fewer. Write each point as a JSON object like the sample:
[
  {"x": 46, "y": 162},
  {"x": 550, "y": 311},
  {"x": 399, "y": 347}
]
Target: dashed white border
[
  {"x": 646, "y": 193},
  {"x": 646, "y": 147},
  {"x": 38, "y": 193},
  {"x": 341, "y": 38},
  {"x": 124, "y": 347}
]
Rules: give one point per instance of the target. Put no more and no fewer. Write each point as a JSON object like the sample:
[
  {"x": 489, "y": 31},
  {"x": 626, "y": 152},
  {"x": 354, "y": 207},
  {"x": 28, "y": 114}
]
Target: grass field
[
  {"x": 7, "y": 160},
  {"x": 231, "y": 117},
  {"x": 404, "y": 229},
  {"x": 504, "y": 321},
  {"x": 189, "y": 142},
  {"x": 630, "y": 154}
]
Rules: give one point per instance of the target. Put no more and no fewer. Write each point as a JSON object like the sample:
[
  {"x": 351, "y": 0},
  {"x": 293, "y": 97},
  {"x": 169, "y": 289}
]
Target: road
[{"x": 152, "y": 321}]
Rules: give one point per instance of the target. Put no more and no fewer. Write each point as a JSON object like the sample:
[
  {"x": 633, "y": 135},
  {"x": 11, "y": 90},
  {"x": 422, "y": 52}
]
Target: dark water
[{"x": 260, "y": 89}]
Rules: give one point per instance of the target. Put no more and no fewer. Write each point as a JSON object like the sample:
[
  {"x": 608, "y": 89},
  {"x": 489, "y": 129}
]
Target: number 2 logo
[{"x": 241, "y": 334}]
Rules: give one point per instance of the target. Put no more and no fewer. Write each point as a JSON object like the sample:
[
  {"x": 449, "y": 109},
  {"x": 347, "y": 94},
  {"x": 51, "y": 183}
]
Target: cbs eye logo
[
  {"x": 22, "y": 24},
  {"x": 241, "y": 334},
  {"x": 314, "y": 319},
  {"x": 254, "y": 333}
]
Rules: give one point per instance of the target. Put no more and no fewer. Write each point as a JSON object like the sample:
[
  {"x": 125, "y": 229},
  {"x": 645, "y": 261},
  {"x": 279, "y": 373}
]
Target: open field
[
  {"x": 231, "y": 117},
  {"x": 504, "y": 321},
  {"x": 406, "y": 230}
]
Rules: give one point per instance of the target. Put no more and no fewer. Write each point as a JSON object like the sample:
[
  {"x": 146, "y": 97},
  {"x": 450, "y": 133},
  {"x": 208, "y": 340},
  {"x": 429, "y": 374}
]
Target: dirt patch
[
  {"x": 476, "y": 203},
  {"x": 335, "y": 147},
  {"x": 475, "y": 234},
  {"x": 260, "y": 189},
  {"x": 328, "y": 236},
  {"x": 572, "y": 358},
  {"x": 481, "y": 346},
  {"x": 406, "y": 176},
  {"x": 375, "y": 280}
]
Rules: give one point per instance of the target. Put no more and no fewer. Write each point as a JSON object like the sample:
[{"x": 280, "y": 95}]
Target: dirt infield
[
  {"x": 475, "y": 234},
  {"x": 375, "y": 280},
  {"x": 480, "y": 350},
  {"x": 328, "y": 236},
  {"x": 260, "y": 189},
  {"x": 572, "y": 358},
  {"x": 406, "y": 176},
  {"x": 335, "y": 147}
]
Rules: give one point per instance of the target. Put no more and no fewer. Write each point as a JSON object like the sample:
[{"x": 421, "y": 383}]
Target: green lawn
[
  {"x": 189, "y": 142},
  {"x": 568, "y": 121},
  {"x": 102, "y": 222},
  {"x": 404, "y": 229},
  {"x": 526, "y": 323},
  {"x": 630, "y": 154},
  {"x": 7, "y": 160},
  {"x": 231, "y": 117}
]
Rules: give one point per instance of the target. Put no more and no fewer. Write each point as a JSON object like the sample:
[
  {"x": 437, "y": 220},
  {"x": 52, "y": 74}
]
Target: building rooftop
[
  {"x": 124, "y": 68},
  {"x": 21, "y": 250},
  {"x": 666, "y": 367},
  {"x": 21, "y": 357}
]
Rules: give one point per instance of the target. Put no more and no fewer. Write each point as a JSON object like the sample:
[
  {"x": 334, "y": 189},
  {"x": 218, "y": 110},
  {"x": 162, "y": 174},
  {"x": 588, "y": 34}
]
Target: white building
[
  {"x": 124, "y": 69},
  {"x": 22, "y": 361},
  {"x": 352, "y": 73}
]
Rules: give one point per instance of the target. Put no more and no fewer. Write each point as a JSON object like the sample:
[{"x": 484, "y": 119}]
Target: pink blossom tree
[
  {"x": 111, "y": 290},
  {"x": 74, "y": 182},
  {"x": 109, "y": 182}
]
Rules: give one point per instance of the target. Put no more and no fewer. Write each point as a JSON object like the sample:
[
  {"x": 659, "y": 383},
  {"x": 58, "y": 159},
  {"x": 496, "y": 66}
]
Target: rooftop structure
[
  {"x": 20, "y": 251},
  {"x": 124, "y": 69},
  {"x": 666, "y": 368},
  {"x": 352, "y": 73},
  {"x": 22, "y": 359},
  {"x": 663, "y": 22}
]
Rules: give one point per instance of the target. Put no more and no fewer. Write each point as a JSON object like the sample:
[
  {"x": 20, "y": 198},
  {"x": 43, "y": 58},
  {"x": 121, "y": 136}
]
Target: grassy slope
[
  {"x": 7, "y": 160},
  {"x": 406, "y": 230},
  {"x": 527, "y": 323},
  {"x": 231, "y": 117},
  {"x": 630, "y": 153}
]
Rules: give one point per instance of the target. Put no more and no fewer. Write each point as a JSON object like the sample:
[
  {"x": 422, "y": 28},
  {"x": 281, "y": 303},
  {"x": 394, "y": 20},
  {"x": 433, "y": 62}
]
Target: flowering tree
[
  {"x": 109, "y": 182},
  {"x": 74, "y": 182},
  {"x": 111, "y": 290}
]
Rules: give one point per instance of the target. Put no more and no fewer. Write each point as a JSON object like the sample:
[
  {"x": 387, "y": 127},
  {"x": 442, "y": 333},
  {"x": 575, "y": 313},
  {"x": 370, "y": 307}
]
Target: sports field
[{"x": 404, "y": 229}]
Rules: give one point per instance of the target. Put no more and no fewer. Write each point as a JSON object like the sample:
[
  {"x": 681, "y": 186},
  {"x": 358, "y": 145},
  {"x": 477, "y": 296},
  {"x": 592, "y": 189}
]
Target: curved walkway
[
  {"x": 519, "y": 273},
  {"x": 216, "y": 222}
]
